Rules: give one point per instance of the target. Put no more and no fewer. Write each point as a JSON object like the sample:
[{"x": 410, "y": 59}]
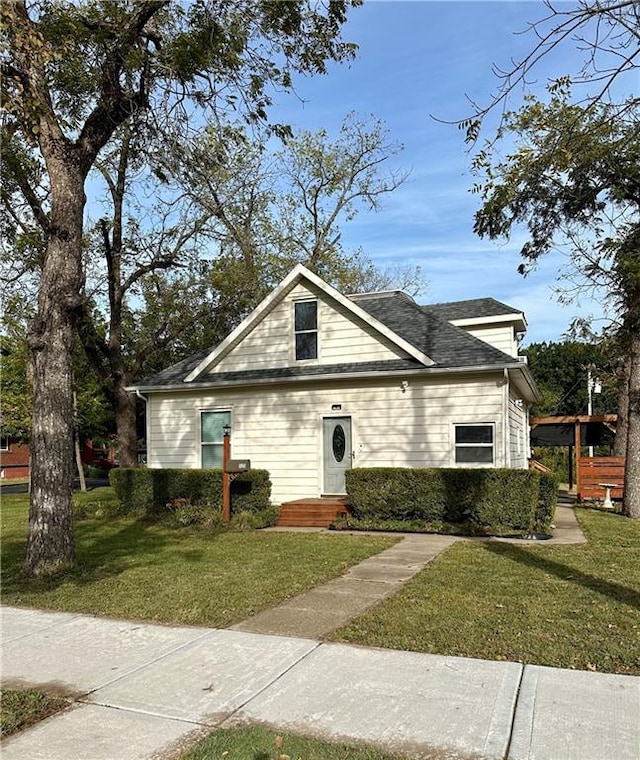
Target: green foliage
[
  {"x": 572, "y": 606},
  {"x": 556, "y": 458},
  {"x": 477, "y": 498},
  {"x": 547, "y": 502},
  {"x": 255, "y": 519},
  {"x": 147, "y": 570},
  {"x": 560, "y": 372},
  {"x": 571, "y": 180},
  {"x": 94, "y": 415},
  {"x": 152, "y": 491},
  {"x": 23, "y": 708},
  {"x": 258, "y": 743}
]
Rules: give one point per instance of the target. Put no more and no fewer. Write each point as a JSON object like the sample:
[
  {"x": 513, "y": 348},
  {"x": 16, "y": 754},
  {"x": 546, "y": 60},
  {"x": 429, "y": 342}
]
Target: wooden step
[{"x": 312, "y": 513}]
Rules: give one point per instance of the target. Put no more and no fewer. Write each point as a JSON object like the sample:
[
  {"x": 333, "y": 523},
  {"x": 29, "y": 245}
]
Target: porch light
[{"x": 226, "y": 430}]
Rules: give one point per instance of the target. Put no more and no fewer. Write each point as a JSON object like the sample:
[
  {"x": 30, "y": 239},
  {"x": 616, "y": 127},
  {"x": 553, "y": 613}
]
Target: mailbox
[{"x": 236, "y": 466}]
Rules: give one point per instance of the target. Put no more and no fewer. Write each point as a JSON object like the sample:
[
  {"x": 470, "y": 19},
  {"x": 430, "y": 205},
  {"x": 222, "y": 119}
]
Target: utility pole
[{"x": 593, "y": 386}]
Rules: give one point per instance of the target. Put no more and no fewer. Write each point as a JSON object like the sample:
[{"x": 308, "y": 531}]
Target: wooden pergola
[{"x": 590, "y": 472}]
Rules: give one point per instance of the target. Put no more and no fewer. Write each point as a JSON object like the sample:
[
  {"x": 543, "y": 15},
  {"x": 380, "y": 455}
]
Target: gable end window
[
  {"x": 211, "y": 437},
  {"x": 474, "y": 444},
  {"x": 306, "y": 330}
]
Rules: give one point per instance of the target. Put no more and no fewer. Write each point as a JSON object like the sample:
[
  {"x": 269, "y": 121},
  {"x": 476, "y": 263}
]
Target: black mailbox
[{"x": 235, "y": 466}]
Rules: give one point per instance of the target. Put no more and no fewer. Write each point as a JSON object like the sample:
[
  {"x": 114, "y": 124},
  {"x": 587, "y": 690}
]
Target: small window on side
[
  {"x": 4, "y": 443},
  {"x": 474, "y": 444},
  {"x": 306, "y": 330}
]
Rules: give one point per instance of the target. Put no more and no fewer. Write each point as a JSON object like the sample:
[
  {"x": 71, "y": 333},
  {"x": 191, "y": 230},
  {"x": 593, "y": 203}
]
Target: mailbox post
[{"x": 226, "y": 481}]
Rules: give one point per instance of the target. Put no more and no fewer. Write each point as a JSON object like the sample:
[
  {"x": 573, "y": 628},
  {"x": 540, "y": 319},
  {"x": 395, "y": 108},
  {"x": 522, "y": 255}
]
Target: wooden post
[
  {"x": 570, "y": 467},
  {"x": 226, "y": 481},
  {"x": 578, "y": 445}
]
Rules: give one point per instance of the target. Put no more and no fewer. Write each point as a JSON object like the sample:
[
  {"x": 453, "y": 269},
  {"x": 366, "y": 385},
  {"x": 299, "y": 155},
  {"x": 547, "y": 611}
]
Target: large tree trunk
[
  {"x": 622, "y": 425},
  {"x": 126, "y": 426},
  {"x": 631, "y": 499},
  {"x": 50, "y": 546}
]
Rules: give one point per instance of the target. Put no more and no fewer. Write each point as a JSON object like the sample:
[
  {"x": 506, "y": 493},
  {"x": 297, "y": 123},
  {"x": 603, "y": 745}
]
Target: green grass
[
  {"x": 256, "y": 743},
  {"x": 140, "y": 570},
  {"x": 564, "y": 606},
  {"x": 23, "y": 708}
]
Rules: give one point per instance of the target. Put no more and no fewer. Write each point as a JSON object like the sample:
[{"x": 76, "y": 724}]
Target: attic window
[{"x": 306, "y": 330}]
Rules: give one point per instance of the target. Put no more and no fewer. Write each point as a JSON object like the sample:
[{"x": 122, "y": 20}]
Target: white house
[{"x": 314, "y": 382}]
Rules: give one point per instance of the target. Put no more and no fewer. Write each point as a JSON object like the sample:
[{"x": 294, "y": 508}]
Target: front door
[{"x": 336, "y": 452}]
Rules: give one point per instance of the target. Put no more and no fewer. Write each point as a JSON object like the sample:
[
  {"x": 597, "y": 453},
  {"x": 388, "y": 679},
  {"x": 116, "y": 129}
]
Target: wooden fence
[{"x": 593, "y": 471}]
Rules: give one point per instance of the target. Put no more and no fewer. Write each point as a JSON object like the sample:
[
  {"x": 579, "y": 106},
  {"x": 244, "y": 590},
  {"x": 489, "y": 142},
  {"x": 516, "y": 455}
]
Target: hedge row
[
  {"x": 153, "y": 490},
  {"x": 519, "y": 499}
]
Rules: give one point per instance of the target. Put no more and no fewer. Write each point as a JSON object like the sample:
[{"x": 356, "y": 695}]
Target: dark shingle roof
[
  {"x": 283, "y": 373},
  {"x": 475, "y": 307},
  {"x": 424, "y": 328},
  {"x": 175, "y": 374},
  {"x": 445, "y": 344}
]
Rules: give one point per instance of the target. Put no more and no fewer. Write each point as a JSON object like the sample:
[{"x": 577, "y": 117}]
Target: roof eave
[{"x": 427, "y": 370}]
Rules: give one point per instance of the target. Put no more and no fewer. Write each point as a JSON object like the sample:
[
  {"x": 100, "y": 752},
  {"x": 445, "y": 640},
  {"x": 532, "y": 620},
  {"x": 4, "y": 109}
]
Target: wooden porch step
[{"x": 313, "y": 512}]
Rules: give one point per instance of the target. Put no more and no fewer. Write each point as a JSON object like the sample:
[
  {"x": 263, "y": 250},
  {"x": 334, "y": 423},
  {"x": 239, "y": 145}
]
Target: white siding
[
  {"x": 279, "y": 428},
  {"x": 501, "y": 337},
  {"x": 518, "y": 432},
  {"x": 341, "y": 338}
]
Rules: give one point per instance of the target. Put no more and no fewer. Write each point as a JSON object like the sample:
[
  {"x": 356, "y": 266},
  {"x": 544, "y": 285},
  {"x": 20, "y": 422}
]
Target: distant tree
[
  {"x": 94, "y": 418},
  {"x": 573, "y": 179},
  {"x": 560, "y": 371},
  {"x": 72, "y": 74},
  {"x": 271, "y": 209}
]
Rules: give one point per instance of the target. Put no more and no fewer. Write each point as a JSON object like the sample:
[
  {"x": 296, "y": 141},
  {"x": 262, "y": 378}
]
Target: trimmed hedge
[
  {"x": 515, "y": 499},
  {"x": 547, "y": 502},
  {"x": 151, "y": 490}
]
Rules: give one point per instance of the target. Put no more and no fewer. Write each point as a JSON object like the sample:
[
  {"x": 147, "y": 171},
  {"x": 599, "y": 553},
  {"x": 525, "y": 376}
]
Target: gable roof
[
  {"x": 298, "y": 274},
  {"x": 432, "y": 342}
]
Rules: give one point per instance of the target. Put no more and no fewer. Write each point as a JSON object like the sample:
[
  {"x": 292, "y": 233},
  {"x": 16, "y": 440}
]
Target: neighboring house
[
  {"x": 313, "y": 382},
  {"x": 14, "y": 458}
]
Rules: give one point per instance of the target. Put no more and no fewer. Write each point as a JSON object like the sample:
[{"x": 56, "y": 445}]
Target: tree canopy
[
  {"x": 571, "y": 178},
  {"x": 72, "y": 75}
]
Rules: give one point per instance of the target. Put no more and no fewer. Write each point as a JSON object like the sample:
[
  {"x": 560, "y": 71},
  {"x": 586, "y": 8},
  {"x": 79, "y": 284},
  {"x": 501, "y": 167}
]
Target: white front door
[{"x": 336, "y": 450}]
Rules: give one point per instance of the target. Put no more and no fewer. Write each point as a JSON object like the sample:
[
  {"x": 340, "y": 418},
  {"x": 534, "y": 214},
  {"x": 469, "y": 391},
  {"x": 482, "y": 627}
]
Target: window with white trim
[
  {"x": 474, "y": 444},
  {"x": 306, "y": 329},
  {"x": 4, "y": 443},
  {"x": 212, "y": 437}
]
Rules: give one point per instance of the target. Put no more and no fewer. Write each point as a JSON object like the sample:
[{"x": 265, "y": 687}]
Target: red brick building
[{"x": 14, "y": 458}]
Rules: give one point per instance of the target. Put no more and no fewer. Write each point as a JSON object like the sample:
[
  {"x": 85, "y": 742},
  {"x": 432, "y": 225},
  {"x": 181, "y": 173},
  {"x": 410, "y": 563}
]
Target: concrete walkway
[
  {"x": 143, "y": 691},
  {"x": 332, "y": 605}
]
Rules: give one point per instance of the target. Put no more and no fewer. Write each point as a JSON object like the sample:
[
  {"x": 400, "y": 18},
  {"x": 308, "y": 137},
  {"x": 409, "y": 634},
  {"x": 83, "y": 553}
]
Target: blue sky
[{"x": 418, "y": 60}]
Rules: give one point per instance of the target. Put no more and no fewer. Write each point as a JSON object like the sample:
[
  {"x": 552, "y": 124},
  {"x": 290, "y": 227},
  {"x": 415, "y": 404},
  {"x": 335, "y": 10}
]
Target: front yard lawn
[
  {"x": 564, "y": 606},
  {"x": 133, "y": 569}
]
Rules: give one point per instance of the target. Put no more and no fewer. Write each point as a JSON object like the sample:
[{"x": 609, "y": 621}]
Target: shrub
[
  {"x": 151, "y": 490},
  {"x": 547, "y": 502},
  {"x": 478, "y": 498},
  {"x": 247, "y": 520}
]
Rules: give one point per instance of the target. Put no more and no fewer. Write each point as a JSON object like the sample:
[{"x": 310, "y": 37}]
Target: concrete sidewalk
[{"x": 144, "y": 690}]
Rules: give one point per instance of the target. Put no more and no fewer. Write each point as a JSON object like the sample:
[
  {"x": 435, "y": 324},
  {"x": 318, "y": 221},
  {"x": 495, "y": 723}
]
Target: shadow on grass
[
  {"x": 614, "y": 591},
  {"x": 101, "y": 552}
]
